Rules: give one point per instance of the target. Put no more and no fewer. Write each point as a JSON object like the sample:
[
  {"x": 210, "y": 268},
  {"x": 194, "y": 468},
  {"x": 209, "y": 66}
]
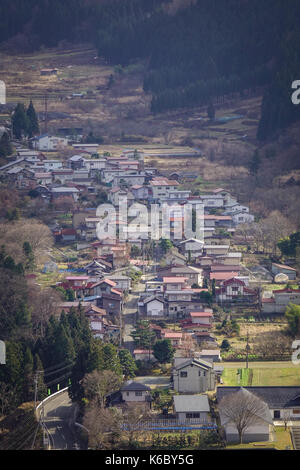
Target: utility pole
[
  {"x": 46, "y": 114},
  {"x": 247, "y": 350},
  {"x": 35, "y": 388}
]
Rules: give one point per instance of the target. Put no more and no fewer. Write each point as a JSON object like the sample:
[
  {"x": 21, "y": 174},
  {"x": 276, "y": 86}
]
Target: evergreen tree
[
  {"x": 5, "y": 145},
  {"x": 33, "y": 124},
  {"x": 128, "y": 364},
  {"x": 111, "y": 359},
  {"x": 163, "y": 351},
  {"x": 19, "y": 121},
  {"x": 29, "y": 265}
]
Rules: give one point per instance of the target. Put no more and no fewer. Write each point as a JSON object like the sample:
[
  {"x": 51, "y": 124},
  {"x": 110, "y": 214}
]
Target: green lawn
[
  {"x": 262, "y": 376},
  {"x": 282, "y": 441}
]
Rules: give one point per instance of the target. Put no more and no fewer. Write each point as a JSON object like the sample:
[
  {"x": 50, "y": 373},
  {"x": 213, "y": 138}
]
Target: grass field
[
  {"x": 282, "y": 441},
  {"x": 284, "y": 376}
]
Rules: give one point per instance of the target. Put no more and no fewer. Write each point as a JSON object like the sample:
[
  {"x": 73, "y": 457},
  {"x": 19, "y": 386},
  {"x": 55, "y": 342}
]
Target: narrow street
[{"x": 130, "y": 315}]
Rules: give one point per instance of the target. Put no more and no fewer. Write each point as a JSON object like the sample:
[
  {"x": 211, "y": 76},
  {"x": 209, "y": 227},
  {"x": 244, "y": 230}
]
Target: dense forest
[{"x": 201, "y": 53}]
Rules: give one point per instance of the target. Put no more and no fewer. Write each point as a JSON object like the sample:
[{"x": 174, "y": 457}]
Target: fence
[{"x": 170, "y": 425}]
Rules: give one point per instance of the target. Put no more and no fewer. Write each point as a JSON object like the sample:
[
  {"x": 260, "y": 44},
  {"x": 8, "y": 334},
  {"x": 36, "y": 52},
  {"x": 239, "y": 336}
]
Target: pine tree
[
  {"x": 5, "y": 145},
  {"x": 39, "y": 370},
  {"x": 29, "y": 264},
  {"x": 111, "y": 359},
  {"x": 128, "y": 364},
  {"x": 19, "y": 121},
  {"x": 33, "y": 124}
]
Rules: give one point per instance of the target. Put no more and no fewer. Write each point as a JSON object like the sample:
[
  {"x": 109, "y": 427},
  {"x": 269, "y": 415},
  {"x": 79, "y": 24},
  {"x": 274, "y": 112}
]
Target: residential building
[
  {"x": 283, "y": 401},
  {"x": 261, "y": 426},
  {"x": 136, "y": 392},
  {"x": 280, "y": 300},
  {"x": 284, "y": 269},
  {"x": 192, "y": 408},
  {"x": 193, "y": 376}
]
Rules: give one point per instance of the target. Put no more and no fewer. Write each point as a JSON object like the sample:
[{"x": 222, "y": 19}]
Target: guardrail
[{"x": 47, "y": 438}]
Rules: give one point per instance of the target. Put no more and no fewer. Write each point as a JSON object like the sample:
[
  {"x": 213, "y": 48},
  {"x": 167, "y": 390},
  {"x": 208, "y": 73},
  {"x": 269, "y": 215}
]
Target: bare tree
[
  {"x": 243, "y": 409},
  {"x": 43, "y": 304},
  {"x": 133, "y": 415},
  {"x": 98, "y": 384},
  {"x": 286, "y": 416},
  {"x": 103, "y": 425}
]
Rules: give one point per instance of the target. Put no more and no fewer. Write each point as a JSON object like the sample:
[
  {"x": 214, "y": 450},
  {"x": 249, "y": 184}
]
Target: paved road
[
  {"x": 130, "y": 315},
  {"x": 58, "y": 414}
]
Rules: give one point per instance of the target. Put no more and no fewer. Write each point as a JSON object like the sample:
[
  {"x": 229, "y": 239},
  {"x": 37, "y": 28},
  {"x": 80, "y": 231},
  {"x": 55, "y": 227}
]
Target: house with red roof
[{"x": 235, "y": 290}]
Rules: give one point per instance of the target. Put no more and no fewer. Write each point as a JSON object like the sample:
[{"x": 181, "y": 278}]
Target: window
[
  {"x": 183, "y": 374},
  {"x": 127, "y": 393},
  {"x": 138, "y": 394},
  {"x": 276, "y": 414},
  {"x": 199, "y": 373},
  {"x": 192, "y": 415}
]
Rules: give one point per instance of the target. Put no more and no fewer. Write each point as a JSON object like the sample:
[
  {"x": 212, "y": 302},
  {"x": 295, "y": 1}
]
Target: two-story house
[{"x": 193, "y": 376}]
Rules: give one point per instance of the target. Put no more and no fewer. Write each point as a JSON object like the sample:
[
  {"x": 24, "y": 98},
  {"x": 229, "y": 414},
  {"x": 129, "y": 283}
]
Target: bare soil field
[{"x": 121, "y": 108}]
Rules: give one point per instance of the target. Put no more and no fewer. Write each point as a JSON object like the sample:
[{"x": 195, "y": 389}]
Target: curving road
[{"x": 58, "y": 418}]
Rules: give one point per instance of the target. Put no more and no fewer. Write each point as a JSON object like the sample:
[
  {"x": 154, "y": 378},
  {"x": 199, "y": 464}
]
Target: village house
[
  {"x": 161, "y": 186},
  {"x": 193, "y": 376},
  {"x": 62, "y": 175},
  {"x": 192, "y": 409},
  {"x": 128, "y": 179},
  {"x": 261, "y": 427},
  {"x": 242, "y": 218},
  {"x": 139, "y": 192},
  {"x": 198, "y": 321},
  {"x": 51, "y": 165},
  {"x": 228, "y": 199},
  {"x": 192, "y": 247},
  {"x": 284, "y": 269},
  {"x": 174, "y": 337},
  {"x": 43, "y": 178},
  {"x": 153, "y": 306},
  {"x": 212, "y": 201},
  {"x": 215, "y": 250},
  {"x": 235, "y": 290},
  {"x": 280, "y": 300},
  {"x": 136, "y": 392},
  {"x": 122, "y": 282},
  {"x": 64, "y": 191},
  {"x": 48, "y": 143},
  {"x": 193, "y": 275},
  {"x": 173, "y": 257},
  {"x": 282, "y": 401},
  {"x": 76, "y": 162}
]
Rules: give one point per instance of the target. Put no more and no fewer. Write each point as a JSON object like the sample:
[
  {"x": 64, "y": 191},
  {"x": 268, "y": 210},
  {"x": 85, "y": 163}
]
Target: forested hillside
[{"x": 194, "y": 55}]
